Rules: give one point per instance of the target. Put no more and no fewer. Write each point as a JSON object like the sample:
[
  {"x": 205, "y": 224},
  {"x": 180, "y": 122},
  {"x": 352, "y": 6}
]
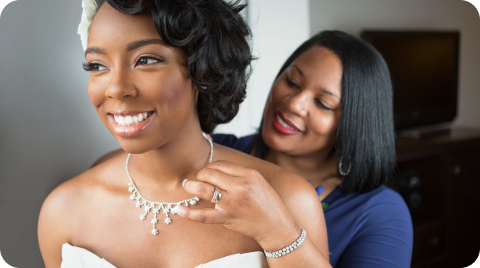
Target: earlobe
[{"x": 195, "y": 95}]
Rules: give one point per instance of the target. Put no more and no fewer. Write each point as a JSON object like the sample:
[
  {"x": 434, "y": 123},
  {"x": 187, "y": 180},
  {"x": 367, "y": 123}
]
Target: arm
[
  {"x": 384, "y": 237},
  {"x": 51, "y": 231},
  {"x": 249, "y": 205}
]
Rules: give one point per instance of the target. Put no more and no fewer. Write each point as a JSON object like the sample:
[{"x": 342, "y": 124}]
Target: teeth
[
  {"x": 129, "y": 120},
  {"x": 283, "y": 124},
  {"x": 121, "y": 120}
]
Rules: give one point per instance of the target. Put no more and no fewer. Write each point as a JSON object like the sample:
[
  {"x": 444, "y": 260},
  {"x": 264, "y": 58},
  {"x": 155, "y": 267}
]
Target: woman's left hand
[{"x": 248, "y": 205}]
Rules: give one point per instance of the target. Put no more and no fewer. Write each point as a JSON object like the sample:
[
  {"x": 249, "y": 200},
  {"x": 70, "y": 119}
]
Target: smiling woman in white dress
[{"x": 161, "y": 72}]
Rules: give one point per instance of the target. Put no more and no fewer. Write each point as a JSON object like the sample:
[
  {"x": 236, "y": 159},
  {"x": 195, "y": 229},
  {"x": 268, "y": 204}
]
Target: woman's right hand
[{"x": 249, "y": 205}]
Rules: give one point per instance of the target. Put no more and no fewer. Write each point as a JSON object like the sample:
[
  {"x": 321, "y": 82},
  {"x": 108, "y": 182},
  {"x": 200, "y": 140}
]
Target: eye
[
  {"x": 93, "y": 67},
  {"x": 147, "y": 60},
  {"x": 321, "y": 105},
  {"x": 291, "y": 83}
]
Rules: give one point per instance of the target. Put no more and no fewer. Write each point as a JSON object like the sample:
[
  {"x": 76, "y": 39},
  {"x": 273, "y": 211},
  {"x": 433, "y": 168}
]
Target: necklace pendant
[{"x": 155, "y": 207}]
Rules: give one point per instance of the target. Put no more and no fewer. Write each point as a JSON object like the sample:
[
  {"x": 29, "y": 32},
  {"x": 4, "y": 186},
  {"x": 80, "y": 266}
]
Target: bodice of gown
[{"x": 76, "y": 257}]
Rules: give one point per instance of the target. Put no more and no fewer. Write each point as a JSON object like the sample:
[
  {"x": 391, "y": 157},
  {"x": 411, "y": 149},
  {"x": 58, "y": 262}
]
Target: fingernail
[
  {"x": 177, "y": 209},
  {"x": 183, "y": 183}
]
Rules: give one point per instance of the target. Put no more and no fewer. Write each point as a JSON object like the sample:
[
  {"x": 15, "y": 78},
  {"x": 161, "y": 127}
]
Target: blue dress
[{"x": 373, "y": 229}]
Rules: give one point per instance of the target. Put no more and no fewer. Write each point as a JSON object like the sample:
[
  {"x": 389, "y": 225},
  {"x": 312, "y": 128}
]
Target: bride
[{"x": 161, "y": 72}]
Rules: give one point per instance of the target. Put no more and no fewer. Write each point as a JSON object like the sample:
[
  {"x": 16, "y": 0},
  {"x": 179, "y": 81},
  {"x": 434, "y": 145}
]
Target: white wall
[
  {"x": 354, "y": 16},
  {"x": 278, "y": 28}
]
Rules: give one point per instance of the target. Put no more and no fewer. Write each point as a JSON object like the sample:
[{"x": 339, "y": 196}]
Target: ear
[{"x": 196, "y": 92}]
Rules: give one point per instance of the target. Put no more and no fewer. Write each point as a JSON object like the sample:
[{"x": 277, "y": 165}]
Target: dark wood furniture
[{"x": 439, "y": 179}]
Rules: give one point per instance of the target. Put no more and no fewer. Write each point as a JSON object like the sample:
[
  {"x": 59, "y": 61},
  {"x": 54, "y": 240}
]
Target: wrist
[
  {"x": 290, "y": 248},
  {"x": 280, "y": 239}
]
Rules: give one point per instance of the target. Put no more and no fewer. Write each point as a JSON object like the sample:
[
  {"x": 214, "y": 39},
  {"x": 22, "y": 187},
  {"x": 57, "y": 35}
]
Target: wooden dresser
[{"x": 439, "y": 179}]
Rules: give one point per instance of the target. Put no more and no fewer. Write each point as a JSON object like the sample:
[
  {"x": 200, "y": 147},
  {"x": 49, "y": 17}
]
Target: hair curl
[
  {"x": 366, "y": 133},
  {"x": 215, "y": 38}
]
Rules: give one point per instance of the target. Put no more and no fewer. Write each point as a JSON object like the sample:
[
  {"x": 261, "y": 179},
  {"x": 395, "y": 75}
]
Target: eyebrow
[
  {"x": 329, "y": 93},
  {"x": 95, "y": 50},
  {"x": 299, "y": 71},
  {"x": 128, "y": 47},
  {"x": 321, "y": 89},
  {"x": 141, "y": 43}
]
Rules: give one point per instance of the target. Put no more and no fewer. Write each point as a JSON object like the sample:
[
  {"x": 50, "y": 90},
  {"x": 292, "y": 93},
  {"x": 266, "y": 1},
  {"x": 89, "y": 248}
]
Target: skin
[
  {"x": 262, "y": 205},
  {"x": 308, "y": 94}
]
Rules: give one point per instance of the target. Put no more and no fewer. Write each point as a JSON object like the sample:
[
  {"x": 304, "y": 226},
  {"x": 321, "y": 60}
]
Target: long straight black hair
[{"x": 366, "y": 135}]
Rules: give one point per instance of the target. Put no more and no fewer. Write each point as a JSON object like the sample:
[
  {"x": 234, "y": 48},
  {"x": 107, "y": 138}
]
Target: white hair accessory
[{"x": 89, "y": 9}]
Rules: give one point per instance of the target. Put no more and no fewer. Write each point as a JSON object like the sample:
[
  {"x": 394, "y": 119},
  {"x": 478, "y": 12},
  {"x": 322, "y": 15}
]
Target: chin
[
  {"x": 275, "y": 141},
  {"x": 132, "y": 147}
]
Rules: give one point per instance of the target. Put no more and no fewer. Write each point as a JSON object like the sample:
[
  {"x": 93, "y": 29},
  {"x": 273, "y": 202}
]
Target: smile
[
  {"x": 285, "y": 128},
  {"x": 130, "y": 124},
  {"x": 126, "y": 121},
  {"x": 285, "y": 125}
]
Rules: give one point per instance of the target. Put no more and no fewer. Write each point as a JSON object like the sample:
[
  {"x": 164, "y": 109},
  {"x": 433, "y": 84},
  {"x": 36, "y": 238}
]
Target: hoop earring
[{"x": 340, "y": 170}]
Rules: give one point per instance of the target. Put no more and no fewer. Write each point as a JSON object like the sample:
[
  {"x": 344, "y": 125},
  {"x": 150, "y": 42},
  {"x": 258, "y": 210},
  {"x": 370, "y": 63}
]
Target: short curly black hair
[{"x": 215, "y": 38}]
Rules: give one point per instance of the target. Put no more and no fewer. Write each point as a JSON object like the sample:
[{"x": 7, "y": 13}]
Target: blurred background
[{"x": 49, "y": 131}]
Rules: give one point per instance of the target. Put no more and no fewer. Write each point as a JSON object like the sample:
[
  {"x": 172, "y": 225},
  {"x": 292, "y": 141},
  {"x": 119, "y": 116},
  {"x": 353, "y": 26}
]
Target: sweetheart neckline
[{"x": 71, "y": 247}]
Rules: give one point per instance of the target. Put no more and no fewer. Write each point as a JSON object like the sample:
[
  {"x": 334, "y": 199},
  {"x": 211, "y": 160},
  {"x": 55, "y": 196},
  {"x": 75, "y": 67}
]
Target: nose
[
  {"x": 297, "y": 103},
  {"x": 120, "y": 86}
]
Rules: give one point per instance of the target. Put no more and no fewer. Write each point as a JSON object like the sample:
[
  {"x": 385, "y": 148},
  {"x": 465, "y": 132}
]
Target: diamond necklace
[{"x": 166, "y": 207}]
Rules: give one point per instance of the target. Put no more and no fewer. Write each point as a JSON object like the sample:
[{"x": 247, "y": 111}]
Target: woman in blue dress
[{"x": 329, "y": 119}]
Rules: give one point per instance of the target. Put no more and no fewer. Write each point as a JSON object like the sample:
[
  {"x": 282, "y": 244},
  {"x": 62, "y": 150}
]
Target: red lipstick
[{"x": 284, "y": 126}]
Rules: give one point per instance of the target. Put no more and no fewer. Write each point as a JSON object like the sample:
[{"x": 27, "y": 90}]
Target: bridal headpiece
[{"x": 89, "y": 9}]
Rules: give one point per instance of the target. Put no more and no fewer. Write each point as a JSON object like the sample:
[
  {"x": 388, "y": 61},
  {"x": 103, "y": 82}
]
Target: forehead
[
  {"x": 321, "y": 67},
  {"x": 111, "y": 26},
  {"x": 317, "y": 60}
]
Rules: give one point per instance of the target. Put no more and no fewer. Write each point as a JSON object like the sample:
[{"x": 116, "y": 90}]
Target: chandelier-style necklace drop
[{"x": 155, "y": 207}]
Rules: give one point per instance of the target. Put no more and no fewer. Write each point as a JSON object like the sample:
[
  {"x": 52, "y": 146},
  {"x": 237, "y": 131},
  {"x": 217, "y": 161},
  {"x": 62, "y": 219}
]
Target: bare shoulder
[
  {"x": 290, "y": 187},
  {"x": 70, "y": 196},
  {"x": 64, "y": 209}
]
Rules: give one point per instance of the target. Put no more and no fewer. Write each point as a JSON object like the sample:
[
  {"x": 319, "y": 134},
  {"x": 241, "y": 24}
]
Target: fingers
[
  {"x": 229, "y": 168},
  {"x": 205, "y": 215},
  {"x": 200, "y": 189},
  {"x": 216, "y": 177}
]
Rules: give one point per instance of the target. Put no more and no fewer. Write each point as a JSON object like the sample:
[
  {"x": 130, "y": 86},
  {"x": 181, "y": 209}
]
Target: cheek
[
  {"x": 324, "y": 124},
  {"x": 172, "y": 91},
  {"x": 277, "y": 93},
  {"x": 95, "y": 93}
]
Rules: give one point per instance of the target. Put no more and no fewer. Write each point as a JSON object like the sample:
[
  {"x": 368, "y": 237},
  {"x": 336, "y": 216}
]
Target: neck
[{"x": 164, "y": 168}]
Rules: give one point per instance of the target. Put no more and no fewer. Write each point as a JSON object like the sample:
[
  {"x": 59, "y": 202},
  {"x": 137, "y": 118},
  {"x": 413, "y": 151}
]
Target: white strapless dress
[{"x": 76, "y": 257}]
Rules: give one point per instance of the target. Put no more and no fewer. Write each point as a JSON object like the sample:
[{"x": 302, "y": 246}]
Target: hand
[{"x": 249, "y": 205}]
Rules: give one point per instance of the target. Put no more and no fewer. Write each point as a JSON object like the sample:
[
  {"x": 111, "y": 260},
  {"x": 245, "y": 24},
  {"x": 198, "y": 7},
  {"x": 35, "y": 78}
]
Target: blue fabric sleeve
[
  {"x": 243, "y": 144},
  {"x": 383, "y": 236},
  {"x": 224, "y": 139}
]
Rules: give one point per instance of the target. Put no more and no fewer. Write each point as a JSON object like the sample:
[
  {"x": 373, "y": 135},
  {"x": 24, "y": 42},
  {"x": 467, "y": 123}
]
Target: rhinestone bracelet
[{"x": 287, "y": 249}]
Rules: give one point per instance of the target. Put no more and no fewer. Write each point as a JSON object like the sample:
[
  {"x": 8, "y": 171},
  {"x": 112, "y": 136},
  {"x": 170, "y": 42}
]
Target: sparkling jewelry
[
  {"x": 288, "y": 249},
  {"x": 155, "y": 207},
  {"x": 340, "y": 168},
  {"x": 216, "y": 196}
]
